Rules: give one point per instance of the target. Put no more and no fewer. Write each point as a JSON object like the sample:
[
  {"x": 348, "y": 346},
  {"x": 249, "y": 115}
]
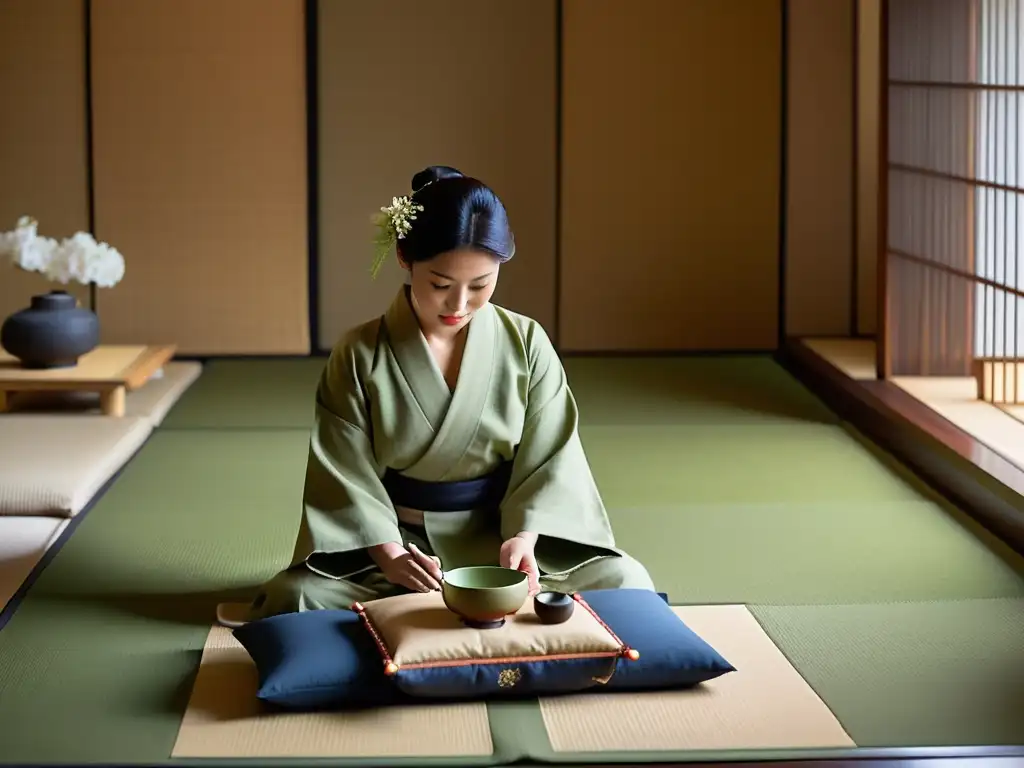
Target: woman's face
[{"x": 449, "y": 288}]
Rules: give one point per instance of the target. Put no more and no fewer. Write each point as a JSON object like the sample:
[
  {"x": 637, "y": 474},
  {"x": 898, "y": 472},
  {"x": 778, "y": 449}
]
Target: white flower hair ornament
[{"x": 393, "y": 224}]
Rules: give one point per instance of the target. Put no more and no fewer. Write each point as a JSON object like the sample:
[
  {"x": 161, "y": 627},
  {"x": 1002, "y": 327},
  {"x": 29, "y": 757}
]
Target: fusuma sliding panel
[
  {"x": 670, "y": 191},
  {"x": 42, "y": 131},
  {"x": 869, "y": 43},
  {"x": 200, "y": 172},
  {"x": 445, "y": 82},
  {"x": 819, "y": 173}
]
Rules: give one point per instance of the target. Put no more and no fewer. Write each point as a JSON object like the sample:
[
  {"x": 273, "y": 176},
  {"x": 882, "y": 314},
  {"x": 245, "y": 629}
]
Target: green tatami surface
[
  {"x": 904, "y": 619},
  {"x": 239, "y": 393},
  {"x": 911, "y": 674},
  {"x": 814, "y": 552},
  {"x": 690, "y": 390},
  {"x": 230, "y": 500},
  {"x": 232, "y": 394},
  {"x": 731, "y": 463}
]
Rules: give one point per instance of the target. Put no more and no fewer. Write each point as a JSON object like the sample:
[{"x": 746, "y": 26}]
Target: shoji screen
[
  {"x": 446, "y": 82},
  {"x": 942, "y": 170},
  {"x": 43, "y": 130},
  {"x": 200, "y": 172},
  {"x": 670, "y": 191}
]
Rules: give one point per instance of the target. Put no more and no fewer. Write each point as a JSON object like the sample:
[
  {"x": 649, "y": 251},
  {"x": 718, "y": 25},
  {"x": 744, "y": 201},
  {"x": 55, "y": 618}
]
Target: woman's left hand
[{"x": 517, "y": 554}]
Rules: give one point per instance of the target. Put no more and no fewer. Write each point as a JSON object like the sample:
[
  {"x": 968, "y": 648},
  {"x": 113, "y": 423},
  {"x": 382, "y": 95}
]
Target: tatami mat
[
  {"x": 746, "y": 390},
  {"x": 912, "y": 674},
  {"x": 815, "y": 552},
  {"x": 764, "y": 705},
  {"x": 224, "y": 719},
  {"x": 610, "y": 391},
  {"x": 105, "y": 647},
  {"x": 250, "y": 394},
  {"x": 193, "y": 511},
  {"x": 692, "y": 464}
]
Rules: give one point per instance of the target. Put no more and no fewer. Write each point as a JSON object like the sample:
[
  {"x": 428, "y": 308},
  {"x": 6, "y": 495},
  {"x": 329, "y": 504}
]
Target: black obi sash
[{"x": 453, "y": 496}]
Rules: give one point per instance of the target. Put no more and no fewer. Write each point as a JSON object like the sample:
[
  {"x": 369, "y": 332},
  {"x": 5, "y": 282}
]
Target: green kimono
[{"x": 383, "y": 406}]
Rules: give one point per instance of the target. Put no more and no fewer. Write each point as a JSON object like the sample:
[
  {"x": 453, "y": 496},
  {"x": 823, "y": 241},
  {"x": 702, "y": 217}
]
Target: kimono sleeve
[
  {"x": 552, "y": 492},
  {"x": 345, "y": 506}
]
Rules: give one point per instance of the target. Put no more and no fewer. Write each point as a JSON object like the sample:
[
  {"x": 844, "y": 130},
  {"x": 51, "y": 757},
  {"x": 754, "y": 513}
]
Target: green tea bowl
[{"x": 483, "y": 595}]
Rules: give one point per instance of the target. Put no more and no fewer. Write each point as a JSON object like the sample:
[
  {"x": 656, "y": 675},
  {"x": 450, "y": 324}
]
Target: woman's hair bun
[
  {"x": 460, "y": 212},
  {"x": 432, "y": 174}
]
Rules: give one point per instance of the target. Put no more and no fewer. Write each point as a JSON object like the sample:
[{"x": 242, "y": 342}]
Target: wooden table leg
[
  {"x": 3, "y": 401},
  {"x": 112, "y": 401}
]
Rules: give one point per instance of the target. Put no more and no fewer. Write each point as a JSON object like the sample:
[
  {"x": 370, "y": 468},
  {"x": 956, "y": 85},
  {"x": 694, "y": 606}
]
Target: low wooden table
[{"x": 112, "y": 371}]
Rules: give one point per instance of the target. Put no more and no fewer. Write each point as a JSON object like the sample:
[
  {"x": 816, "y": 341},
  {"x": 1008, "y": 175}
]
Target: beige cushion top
[
  {"x": 417, "y": 629},
  {"x": 54, "y": 465},
  {"x": 151, "y": 401},
  {"x": 23, "y": 542}
]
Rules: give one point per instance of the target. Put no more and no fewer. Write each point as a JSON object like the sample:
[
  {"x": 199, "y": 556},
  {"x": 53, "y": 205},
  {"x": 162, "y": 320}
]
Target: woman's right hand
[{"x": 409, "y": 568}]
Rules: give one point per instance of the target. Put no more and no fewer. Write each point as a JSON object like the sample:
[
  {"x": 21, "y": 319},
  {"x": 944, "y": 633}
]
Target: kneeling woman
[{"x": 445, "y": 431}]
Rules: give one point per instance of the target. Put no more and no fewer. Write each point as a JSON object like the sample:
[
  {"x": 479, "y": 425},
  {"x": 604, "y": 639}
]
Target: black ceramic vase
[{"x": 52, "y": 333}]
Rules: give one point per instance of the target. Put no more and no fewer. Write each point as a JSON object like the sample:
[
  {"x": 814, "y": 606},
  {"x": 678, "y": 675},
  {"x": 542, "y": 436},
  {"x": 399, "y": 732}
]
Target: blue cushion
[
  {"x": 489, "y": 681},
  {"x": 316, "y": 659},
  {"x": 671, "y": 654},
  {"x": 327, "y": 659}
]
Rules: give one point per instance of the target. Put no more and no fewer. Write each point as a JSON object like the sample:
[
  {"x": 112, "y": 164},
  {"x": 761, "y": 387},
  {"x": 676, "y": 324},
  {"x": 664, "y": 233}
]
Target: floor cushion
[
  {"x": 341, "y": 658},
  {"x": 670, "y": 654},
  {"x": 23, "y": 543},
  {"x": 429, "y": 652},
  {"x": 54, "y": 465},
  {"x": 315, "y": 660}
]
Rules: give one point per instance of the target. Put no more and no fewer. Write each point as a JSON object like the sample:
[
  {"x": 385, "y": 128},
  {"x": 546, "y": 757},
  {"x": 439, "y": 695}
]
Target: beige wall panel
[
  {"x": 670, "y": 195},
  {"x": 200, "y": 172},
  {"x": 447, "y": 82},
  {"x": 43, "y": 169},
  {"x": 819, "y": 216},
  {"x": 868, "y": 60}
]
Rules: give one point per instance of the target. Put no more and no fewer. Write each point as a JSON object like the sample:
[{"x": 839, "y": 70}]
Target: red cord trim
[
  {"x": 377, "y": 639},
  {"x": 625, "y": 650}
]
